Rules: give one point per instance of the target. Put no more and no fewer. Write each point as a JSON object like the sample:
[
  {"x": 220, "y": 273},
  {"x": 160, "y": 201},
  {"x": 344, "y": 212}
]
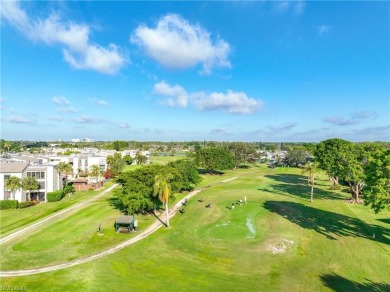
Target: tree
[
  {"x": 162, "y": 189},
  {"x": 296, "y": 156},
  {"x": 241, "y": 152},
  {"x": 30, "y": 183},
  {"x": 8, "y": 145},
  {"x": 64, "y": 168},
  {"x": 214, "y": 159},
  {"x": 310, "y": 168},
  {"x": 341, "y": 158},
  {"x": 140, "y": 158},
  {"x": 377, "y": 178},
  {"x": 95, "y": 171},
  {"x": 13, "y": 183},
  {"x": 329, "y": 155},
  {"x": 128, "y": 160},
  {"x": 115, "y": 164}
]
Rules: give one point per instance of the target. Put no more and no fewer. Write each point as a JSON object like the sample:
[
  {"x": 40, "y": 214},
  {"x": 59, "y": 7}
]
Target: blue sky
[{"x": 180, "y": 71}]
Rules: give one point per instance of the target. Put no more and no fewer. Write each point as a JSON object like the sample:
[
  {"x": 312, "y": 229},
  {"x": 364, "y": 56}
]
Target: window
[
  {"x": 41, "y": 185},
  {"x": 36, "y": 174}
]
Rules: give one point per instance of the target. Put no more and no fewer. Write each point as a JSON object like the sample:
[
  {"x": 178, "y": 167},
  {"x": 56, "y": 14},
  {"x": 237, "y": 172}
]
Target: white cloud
[
  {"x": 355, "y": 118},
  {"x": 323, "y": 29},
  {"x": 296, "y": 7},
  {"x": 98, "y": 101},
  {"x": 283, "y": 127},
  {"x": 60, "y": 100},
  {"x": 230, "y": 102},
  {"x": 87, "y": 120},
  {"x": 67, "y": 109},
  {"x": 363, "y": 115},
  {"x": 175, "y": 95},
  {"x": 340, "y": 121},
  {"x": 56, "y": 118},
  {"x": 176, "y": 43},
  {"x": 123, "y": 125},
  {"x": 20, "y": 120},
  {"x": 78, "y": 50}
]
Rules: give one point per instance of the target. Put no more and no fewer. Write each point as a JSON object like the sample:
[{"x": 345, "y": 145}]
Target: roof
[
  {"x": 13, "y": 167},
  {"x": 124, "y": 219}
]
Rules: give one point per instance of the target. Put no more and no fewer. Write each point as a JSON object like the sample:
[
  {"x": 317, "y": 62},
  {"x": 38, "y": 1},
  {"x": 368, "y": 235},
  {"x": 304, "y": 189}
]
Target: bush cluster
[
  {"x": 26, "y": 204},
  {"x": 58, "y": 195},
  {"x": 55, "y": 196},
  {"x": 9, "y": 204}
]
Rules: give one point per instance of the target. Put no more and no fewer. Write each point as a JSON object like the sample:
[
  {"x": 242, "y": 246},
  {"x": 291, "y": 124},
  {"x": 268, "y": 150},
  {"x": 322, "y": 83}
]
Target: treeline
[{"x": 137, "y": 193}]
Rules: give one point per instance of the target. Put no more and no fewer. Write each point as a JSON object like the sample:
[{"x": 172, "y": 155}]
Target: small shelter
[{"x": 124, "y": 222}]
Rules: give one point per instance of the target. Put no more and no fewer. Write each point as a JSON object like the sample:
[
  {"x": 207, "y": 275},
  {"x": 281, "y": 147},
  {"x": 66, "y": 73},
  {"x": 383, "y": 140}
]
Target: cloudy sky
[{"x": 224, "y": 71}]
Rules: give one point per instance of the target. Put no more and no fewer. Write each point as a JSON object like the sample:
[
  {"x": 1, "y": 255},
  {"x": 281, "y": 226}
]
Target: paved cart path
[{"x": 152, "y": 228}]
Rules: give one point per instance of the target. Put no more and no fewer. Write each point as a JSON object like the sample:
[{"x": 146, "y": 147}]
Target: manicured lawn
[
  {"x": 279, "y": 241},
  {"x": 13, "y": 220}
]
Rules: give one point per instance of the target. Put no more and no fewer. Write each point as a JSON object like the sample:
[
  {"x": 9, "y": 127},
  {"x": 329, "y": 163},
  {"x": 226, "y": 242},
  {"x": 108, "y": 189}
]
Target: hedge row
[
  {"x": 27, "y": 204},
  {"x": 9, "y": 204},
  {"x": 14, "y": 204},
  {"x": 58, "y": 195},
  {"x": 55, "y": 196}
]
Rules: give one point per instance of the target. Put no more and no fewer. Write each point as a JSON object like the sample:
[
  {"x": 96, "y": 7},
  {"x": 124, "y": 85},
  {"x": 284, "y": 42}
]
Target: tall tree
[
  {"x": 140, "y": 158},
  {"x": 162, "y": 189},
  {"x": 296, "y": 155},
  {"x": 341, "y": 158},
  {"x": 377, "y": 178},
  {"x": 95, "y": 171},
  {"x": 64, "y": 168},
  {"x": 329, "y": 155},
  {"x": 214, "y": 159},
  {"x": 241, "y": 152},
  {"x": 310, "y": 168},
  {"x": 115, "y": 164},
  {"x": 30, "y": 183},
  {"x": 7, "y": 145},
  {"x": 13, "y": 183}
]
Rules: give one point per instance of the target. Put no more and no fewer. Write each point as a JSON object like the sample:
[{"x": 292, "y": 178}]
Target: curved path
[{"x": 152, "y": 228}]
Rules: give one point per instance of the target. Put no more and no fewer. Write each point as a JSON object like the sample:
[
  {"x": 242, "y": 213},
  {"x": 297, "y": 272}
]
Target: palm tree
[
  {"x": 64, "y": 168},
  {"x": 30, "y": 183},
  {"x": 7, "y": 145},
  {"x": 95, "y": 171},
  {"x": 162, "y": 188},
  {"x": 13, "y": 183},
  {"x": 140, "y": 158},
  {"x": 310, "y": 168}
]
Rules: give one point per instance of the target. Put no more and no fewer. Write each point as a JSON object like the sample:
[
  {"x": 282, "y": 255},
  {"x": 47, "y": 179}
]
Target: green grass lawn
[
  {"x": 13, "y": 220},
  {"x": 278, "y": 241}
]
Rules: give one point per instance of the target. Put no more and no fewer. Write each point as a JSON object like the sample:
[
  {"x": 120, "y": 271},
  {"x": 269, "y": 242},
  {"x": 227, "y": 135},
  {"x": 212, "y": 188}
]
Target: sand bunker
[{"x": 280, "y": 245}]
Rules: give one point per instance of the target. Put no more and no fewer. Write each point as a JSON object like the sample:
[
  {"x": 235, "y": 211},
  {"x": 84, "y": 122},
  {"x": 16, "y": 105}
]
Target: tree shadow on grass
[
  {"x": 116, "y": 203},
  {"x": 338, "y": 283},
  {"x": 302, "y": 192},
  {"x": 384, "y": 220},
  {"x": 327, "y": 223}
]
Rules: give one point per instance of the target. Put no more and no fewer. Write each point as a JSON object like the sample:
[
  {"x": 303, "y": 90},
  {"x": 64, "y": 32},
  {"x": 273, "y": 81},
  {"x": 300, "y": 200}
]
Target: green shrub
[
  {"x": 26, "y": 204},
  {"x": 69, "y": 189},
  {"x": 9, "y": 204},
  {"x": 55, "y": 196}
]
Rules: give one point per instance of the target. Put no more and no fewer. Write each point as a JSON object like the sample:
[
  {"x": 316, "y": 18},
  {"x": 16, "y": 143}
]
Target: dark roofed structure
[{"x": 124, "y": 221}]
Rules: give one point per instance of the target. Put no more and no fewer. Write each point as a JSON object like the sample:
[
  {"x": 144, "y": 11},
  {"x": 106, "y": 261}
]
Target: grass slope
[{"x": 279, "y": 241}]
